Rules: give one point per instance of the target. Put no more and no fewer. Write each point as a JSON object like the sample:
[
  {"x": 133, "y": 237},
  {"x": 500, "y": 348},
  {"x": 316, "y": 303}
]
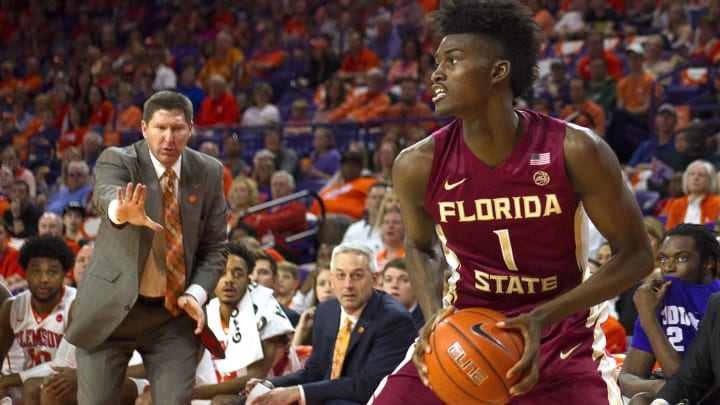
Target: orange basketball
[{"x": 470, "y": 357}]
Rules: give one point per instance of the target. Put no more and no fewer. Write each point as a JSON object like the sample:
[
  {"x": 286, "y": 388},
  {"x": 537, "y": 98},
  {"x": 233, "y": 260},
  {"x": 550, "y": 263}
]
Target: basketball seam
[{"x": 499, "y": 377}]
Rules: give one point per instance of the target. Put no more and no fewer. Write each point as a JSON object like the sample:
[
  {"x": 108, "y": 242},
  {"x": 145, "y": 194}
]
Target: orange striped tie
[
  {"x": 174, "y": 251},
  {"x": 341, "y": 344}
]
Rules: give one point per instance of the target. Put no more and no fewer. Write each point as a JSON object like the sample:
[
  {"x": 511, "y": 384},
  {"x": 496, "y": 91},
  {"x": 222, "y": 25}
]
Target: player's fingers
[
  {"x": 152, "y": 224},
  {"x": 119, "y": 194},
  {"x": 138, "y": 194},
  {"x": 128, "y": 192}
]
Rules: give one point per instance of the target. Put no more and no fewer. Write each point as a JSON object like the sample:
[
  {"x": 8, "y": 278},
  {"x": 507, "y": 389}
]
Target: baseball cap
[
  {"x": 635, "y": 48},
  {"x": 669, "y": 108},
  {"x": 351, "y": 156},
  {"x": 74, "y": 206}
]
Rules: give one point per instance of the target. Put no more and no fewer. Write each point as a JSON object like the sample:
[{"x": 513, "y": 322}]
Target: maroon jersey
[{"x": 511, "y": 233}]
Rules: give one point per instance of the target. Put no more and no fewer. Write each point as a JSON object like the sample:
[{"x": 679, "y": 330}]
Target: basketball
[{"x": 470, "y": 357}]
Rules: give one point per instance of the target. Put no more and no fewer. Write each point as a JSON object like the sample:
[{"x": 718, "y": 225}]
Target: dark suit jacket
[
  {"x": 110, "y": 285},
  {"x": 418, "y": 317},
  {"x": 378, "y": 343},
  {"x": 699, "y": 371}
]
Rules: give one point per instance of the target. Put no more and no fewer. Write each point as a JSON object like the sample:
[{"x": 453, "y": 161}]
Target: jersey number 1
[{"x": 506, "y": 248}]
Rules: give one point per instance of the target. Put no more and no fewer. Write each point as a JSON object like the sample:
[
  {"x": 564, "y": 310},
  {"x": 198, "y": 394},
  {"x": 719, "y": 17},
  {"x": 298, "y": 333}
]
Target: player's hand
[
  {"x": 190, "y": 305},
  {"x": 279, "y": 396},
  {"x": 649, "y": 296},
  {"x": 530, "y": 326},
  {"x": 131, "y": 208},
  {"x": 421, "y": 346},
  {"x": 61, "y": 383}
]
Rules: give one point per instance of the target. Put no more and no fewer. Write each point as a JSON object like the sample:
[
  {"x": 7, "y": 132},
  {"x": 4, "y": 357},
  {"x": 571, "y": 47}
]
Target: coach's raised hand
[{"x": 131, "y": 209}]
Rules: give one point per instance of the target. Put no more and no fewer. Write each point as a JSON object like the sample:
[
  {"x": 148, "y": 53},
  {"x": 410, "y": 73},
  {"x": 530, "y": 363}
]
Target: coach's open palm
[
  {"x": 531, "y": 327},
  {"x": 421, "y": 346},
  {"x": 131, "y": 209}
]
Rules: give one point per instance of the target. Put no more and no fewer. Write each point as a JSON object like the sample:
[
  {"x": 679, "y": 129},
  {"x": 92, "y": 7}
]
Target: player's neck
[
  {"x": 44, "y": 308},
  {"x": 492, "y": 140},
  {"x": 227, "y": 309}
]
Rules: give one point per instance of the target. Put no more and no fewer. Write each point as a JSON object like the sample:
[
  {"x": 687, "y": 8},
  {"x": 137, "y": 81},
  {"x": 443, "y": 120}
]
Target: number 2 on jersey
[{"x": 506, "y": 248}]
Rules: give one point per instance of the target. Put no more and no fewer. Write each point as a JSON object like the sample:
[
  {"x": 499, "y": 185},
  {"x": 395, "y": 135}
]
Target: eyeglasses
[{"x": 75, "y": 174}]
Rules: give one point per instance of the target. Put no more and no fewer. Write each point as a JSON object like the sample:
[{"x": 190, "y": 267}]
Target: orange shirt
[
  {"x": 361, "y": 63},
  {"x": 345, "y": 198},
  {"x": 592, "y": 109},
  {"x": 222, "y": 65},
  {"x": 615, "y": 67},
  {"x": 102, "y": 115},
  {"x": 362, "y": 107},
  {"x": 9, "y": 263},
  {"x": 635, "y": 90},
  {"x": 128, "y": 117},
  {"x": 615, "y": 335},
  {"x": 417, "y": 110},
  {"x": 677, "y": 207},
  {"x": 71, "y": 137}
]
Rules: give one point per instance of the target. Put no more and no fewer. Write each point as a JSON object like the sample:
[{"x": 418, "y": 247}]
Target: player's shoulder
[
  {"x": 581, "y": 140},
  {"x": 415, "y": 158}
]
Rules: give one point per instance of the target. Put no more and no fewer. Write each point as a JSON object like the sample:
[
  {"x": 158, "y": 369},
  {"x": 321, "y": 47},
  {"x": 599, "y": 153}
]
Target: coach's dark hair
[
  {"x": 505, "y": 22},
  {"x": 239, "y": 250},
  {"x": 705, "y": 241},
  {"x": 47, "y": 246},
  {"x": 167, "y": 100}
]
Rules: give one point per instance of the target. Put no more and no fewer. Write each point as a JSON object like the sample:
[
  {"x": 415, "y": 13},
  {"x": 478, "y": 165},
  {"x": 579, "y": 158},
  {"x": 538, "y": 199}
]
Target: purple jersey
[
  {"x": 511, "y": 233},
  {"x": 683, "y": 307}
]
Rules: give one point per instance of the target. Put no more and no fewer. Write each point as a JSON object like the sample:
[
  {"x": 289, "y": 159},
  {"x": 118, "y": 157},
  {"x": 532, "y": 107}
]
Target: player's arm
[
  {"x": 425, "y": 262},
  {"x": 648, "y": 299},
  {"x": 596, "y": 177},
  {"x": 258, "y": 369},
  {"x": 6, "y": 340},
  {"x": 635, "y": 374}
]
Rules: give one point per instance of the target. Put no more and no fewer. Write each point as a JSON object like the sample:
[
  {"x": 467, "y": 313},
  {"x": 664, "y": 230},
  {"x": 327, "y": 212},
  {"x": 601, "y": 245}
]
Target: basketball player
[
  {"x": 505, "y": 192},
  {"x": 37, "y": 317},
  {"x": 671, "y": 309}
]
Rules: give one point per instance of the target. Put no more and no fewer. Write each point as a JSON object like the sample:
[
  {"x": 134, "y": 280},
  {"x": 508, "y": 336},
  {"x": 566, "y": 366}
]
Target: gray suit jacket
[{"x": 110, "y": 284}]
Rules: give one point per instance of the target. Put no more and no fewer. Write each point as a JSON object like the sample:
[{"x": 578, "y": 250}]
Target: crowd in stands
[{"x": 322, "y": 95}]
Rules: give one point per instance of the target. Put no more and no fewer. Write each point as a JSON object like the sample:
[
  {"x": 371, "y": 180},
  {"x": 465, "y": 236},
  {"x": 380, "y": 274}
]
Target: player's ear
[{"x": 501, "y": 70}]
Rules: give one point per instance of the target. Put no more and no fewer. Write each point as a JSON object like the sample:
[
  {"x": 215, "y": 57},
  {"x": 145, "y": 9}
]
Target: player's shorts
[{"x": 574, "y": 369}]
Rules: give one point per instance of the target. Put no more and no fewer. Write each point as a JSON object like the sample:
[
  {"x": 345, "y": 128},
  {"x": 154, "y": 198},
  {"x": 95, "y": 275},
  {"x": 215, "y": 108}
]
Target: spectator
[
  {"x": 10, "y": 159},
  {"x": 660, "y": 144},
  {"x": 701, "y": 203},
  {"x": 324, "y": 159},
  {"x": 210, "y": 148},
  {"x": 358, "y": 60},
  {"x": 165, "y": 77},
  {"x": 188, "y": 86},
  {"x": 41, "y": 144},
  {"x": 595, "y": 48},
  {"x": 396, "y": 282},
  {"x": 386, "y": 43},
  {"x": 671, "y": 308},
  {"x": 409, "y": 106},
  {"x": 370, "y": 105},
  {"x": 76, "y": 129},
  {"x": 705, "y": 47},
  {"x": 263, "y": 168},
  {"x": 265, "y": 273},
  {"x": 571, "y": 24},
  {"x": 268, "y": 57},
  {"x": 407, "y": 64},
  {"x": 275, "y": 224},
  {"x": 287, "y": 282},
  {"x": 383, "y": 158},
  {"x": 323, "y": 62},
  {"x": 23, "y": 215},
  {"x": 11, "y": 273},
  {"x": 222, "y": 60},
  {"x": 654, "y": 61},
  {"x": 242, "y": 195},
  {"x": 298, "y": 117},
  {"x": 285, "y": 158},
  {"x": 602, "y": 87},
  {"x": 92, "y": 146},
  {"x": 101, "y": 109},
  {"x": 348, "y": 196},
  {"x": 601, "y": 17},
  {"x": 677, "y": 32},
  {"x": 219, "y": 107},
  {"x": 233, "y": 156},
  {"x": 555, "y": 88},
  {"x": 543, "y": 18},
  {"x": 392, "y": 235},
  {"x": 262, "y": 112},
  {"x": 364, "y": 231},
  {"x": 330, "y": 96},
  {"x": 72, "y": 218},
  {"x": 128, "y": 114},
  {"x": 582, "y": 110},
  {"x": 322, "y": 291},
  {"x": 77, "y": 188},
  {"x": 379, "y": 347}
]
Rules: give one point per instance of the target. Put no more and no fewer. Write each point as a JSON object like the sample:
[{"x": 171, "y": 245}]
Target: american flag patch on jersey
[{"x": 537, "y": 158}]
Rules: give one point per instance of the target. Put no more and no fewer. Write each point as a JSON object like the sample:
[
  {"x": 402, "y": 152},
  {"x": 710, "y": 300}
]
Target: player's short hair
[
  {"x": 396, "y": 263},
  {"x": 289, "y": 267},
  {"x": 508, "y": 23},
  {"x": 239, "y": 250},
  {"x": 46, "y": 246},
  {"x": 705, "y": 239},
  {"x": 167, "y": 100},
  {"x": 261, "y": 254}
]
